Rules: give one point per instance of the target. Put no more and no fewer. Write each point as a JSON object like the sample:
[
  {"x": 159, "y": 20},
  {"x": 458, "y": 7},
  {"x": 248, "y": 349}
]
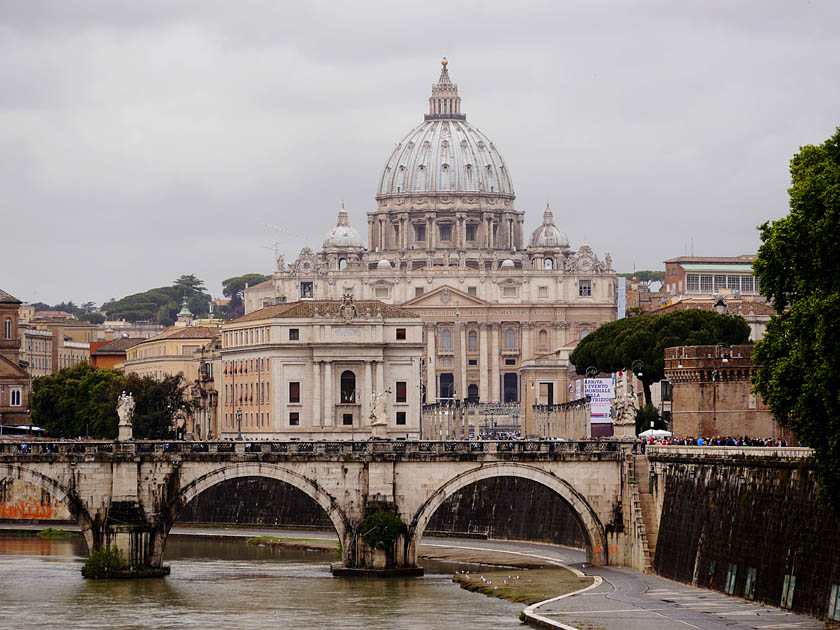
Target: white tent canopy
[{"x": 655, "y": 433}]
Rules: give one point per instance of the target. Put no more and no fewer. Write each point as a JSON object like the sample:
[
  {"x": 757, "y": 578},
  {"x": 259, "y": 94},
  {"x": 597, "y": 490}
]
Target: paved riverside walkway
[{"x": 625, "y": 600}]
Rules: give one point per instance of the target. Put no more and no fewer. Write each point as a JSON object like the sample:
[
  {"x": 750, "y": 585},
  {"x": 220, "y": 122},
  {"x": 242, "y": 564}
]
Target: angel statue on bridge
[
  {"x": 125, "y": 410},
  {"x": 377, "y": 403}
]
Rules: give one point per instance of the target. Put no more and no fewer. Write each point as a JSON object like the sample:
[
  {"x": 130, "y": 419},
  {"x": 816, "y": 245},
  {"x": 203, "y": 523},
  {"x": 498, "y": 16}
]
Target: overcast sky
[{"x": 143, "y": 140}]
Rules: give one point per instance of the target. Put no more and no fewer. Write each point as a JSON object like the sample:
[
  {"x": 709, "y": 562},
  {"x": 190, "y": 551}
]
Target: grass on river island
[{"x": 497, "y": 574}]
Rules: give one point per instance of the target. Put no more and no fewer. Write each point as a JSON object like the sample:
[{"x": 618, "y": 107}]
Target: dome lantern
[
  {"x": 343, "y": 235},
  {"x": 548, "y": 235}
]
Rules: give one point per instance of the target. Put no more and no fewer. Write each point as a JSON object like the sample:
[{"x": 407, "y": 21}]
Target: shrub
[
  {"x": 381, "y": 529},
  {"x": 103, "y": 564}
]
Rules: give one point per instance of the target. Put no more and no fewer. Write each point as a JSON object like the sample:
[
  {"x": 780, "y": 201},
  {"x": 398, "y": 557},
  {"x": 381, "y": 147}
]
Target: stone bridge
[{"x": 129, "y": 494}]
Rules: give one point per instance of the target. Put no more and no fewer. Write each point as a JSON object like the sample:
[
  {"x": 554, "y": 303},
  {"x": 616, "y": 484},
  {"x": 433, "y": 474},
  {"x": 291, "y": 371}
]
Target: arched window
[
  {"x": 342, "y": 264},
  {"x": 548, "y": 263},
  {"x": 543, "y": 340},
  {"x": 446, "y": 339},
  {"x": 584, "y": 332},
  {"x": 7, "y": 328},
  {"x": 510, "y": 338},
  {"x": 472, "y": 341},
  {"x": 472, "y": 393},
  {"x": 348, "y": 387}
]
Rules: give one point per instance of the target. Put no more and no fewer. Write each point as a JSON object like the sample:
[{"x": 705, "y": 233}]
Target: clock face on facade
[
  {"x": 585, "y": 263},
  {"x": 306, "y": 265}
]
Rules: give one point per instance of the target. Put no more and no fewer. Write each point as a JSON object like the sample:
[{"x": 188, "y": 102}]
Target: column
[
  {"x": 482, "y": 363},
  {"x": 432, "y": 236},
  {"x": 329, "y": 387},
  {"x": 366, "y": 391},
  {"x": 316, "y": 394},
  {"x": 431, "y": 375},
  {"x": 380, "y": 376},
  {"x": 495, "y": 374},
  {"x": 371, "y": 235},
  {"x": 462, "y": 364},
  {"x": 525, "y": 349}
]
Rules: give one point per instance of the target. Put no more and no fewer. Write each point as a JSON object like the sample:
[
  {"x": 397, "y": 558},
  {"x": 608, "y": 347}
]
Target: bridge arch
[
  {"x": 587, "y": 518},
  {"x": 255, "y": 469},
  {"x": 59, "y": 493}
]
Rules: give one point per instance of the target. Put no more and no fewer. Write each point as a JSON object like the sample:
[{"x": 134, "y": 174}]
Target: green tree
[
  {"x": 82, "y": 401},
  {"x": 798, "y": 373},
  {"x": 162, "y": 304},
  {"x": 93, "y": 318},
  {"x": 76, "y": 401},
  {"x": 617, "y": 345},
  {"x": 645, "y": 275},
  {"x": 234, "y": 288}
]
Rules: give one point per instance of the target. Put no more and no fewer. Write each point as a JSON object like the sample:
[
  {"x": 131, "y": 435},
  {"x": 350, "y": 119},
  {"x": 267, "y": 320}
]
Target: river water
[{"x": 216, "y": 585}]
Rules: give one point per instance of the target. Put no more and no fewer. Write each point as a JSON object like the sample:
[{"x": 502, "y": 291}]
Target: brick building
[
  {"x": 14, "y": 381},
  {"x": 712, "y": 396}
]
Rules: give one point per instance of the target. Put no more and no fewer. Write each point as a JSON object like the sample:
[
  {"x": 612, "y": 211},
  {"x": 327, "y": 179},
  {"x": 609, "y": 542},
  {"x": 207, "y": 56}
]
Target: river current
[{"x": 216, "y": 585}]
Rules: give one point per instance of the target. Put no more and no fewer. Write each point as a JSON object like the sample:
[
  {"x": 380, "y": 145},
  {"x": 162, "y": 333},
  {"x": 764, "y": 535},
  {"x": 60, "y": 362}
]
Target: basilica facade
[{"x": 446, "y": 242}]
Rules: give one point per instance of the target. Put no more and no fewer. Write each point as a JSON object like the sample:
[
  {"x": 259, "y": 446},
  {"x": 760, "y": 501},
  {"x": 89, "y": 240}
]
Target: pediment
[
  {"x": 446, "y": 296},
  {"x": 9, "y": 369}
]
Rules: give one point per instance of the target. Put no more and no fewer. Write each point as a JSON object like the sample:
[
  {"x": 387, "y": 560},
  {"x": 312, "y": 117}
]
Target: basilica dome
[
  {"x": 548, "y": 235},
  {"x": 445, "y": 154},
  {"x": 343, "y": 235}
]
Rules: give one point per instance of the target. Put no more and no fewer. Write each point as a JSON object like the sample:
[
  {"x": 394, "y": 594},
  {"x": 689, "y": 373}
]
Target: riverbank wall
[{"x": 752, "y": 527}]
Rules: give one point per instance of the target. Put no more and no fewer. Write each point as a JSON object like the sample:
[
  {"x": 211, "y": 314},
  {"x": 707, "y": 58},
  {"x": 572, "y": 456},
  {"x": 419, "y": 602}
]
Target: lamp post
[
  {"x": 239, "y": 423},
  {"x": 592, "y": 372}
]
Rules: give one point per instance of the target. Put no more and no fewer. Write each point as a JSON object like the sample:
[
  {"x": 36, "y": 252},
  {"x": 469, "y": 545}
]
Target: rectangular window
[
  {"x": 471, "y": 231},
  {"x": 402, "y": 393},
  {"x": 706, "y": 283},
  {"x": 446, "y": 232},
  {"x": 510, "y": 361},
  {"x": 472, "y": 291},
  {"x": 347, "y": 419},
  {"x": 306, "y": 290},
  {"x": 401, "y": 334},
  {"x": 420, "y": 233},
  {"x": 509, "y": 292},
  {"x": 401, "y": 417},
  {"x": 747, "y": 284},
  {"x": 473, "y": 362},
  {"x": 15, "y": 394},
  {"x": 749, "y": 587},
  {"x": 294, "y": 418},
  {"x": 585, "y": 288},
  {"x": 733, "y": 283},
  {"x": 418, "y": 291},
  {"x": 720, "y": 282},
  {"x": 294, "y": 392},
  {"x": 380, "y": 292},
  {"x": 294, "y": 334},
  {"x": 542, "y": 292},
  {"x": 692, "y": 283}
]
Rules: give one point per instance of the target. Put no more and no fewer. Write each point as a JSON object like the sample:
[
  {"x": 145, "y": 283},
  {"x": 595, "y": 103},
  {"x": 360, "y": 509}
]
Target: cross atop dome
[
  {"x": 444, "y": 103},
  {"x": 548, "y": 217}
]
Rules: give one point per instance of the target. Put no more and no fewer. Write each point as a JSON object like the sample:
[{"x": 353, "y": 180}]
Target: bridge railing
[
  {"x": 783, "y": 452},
  {"x": 23, "y": 447}
]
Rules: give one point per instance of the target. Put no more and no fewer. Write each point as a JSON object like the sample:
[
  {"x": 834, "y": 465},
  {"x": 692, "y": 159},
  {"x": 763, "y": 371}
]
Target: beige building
[
  {"x": 447, "y": 243},
  {"x": 36, "y": 351},
  {"x": 14, "y": 381},
  {"x": 311, "y": 369},
  {"x": 171, "y": 352}
]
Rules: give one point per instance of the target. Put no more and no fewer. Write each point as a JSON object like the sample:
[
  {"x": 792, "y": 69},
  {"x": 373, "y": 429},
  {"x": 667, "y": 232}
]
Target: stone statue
[
  {"x": 377, "y": 403},
  {"x": 609, "y": 262},
  {"x": 281, "y": 262},
  {"x": 125, "y": 410}
]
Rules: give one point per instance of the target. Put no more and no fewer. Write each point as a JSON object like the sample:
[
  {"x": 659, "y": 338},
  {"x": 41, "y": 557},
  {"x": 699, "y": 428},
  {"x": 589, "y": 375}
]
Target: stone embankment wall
[{"x": 746, "y": 526}]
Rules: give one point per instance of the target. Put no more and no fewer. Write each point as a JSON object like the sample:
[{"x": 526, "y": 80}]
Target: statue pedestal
[
  {"x": 380, "y": 430},
  {"x": 125, "y": 433}
]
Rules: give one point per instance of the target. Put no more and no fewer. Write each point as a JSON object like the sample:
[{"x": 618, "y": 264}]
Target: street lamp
[
  {"x": 637, "y": 366},
  {"x": 592, "y": 372},
  {"x": 239, "y": 423}
]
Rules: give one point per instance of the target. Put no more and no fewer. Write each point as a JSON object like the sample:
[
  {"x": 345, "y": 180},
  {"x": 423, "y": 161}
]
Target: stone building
[
  {"x": 711, "y": 394},
  {"x": 110, "y": 354},
  {"x": 447, "y": 243},
  {"x": 171, "y": 352},
  {"x": 36, "y": 350},
  {"x": 14, "y": 381},
  {"x": 308, "y": 370}
]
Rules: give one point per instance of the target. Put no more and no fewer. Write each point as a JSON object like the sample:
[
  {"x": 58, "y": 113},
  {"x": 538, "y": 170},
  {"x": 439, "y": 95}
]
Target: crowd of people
[{"x": 640, "y": 443}]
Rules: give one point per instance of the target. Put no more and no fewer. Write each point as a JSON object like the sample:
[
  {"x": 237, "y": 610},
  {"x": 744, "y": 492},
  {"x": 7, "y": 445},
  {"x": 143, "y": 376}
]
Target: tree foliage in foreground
[
  {"x": 615, "y": 346},
  {"x": 82, "y": 401},
  {"x": 798, "y": 359}
]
